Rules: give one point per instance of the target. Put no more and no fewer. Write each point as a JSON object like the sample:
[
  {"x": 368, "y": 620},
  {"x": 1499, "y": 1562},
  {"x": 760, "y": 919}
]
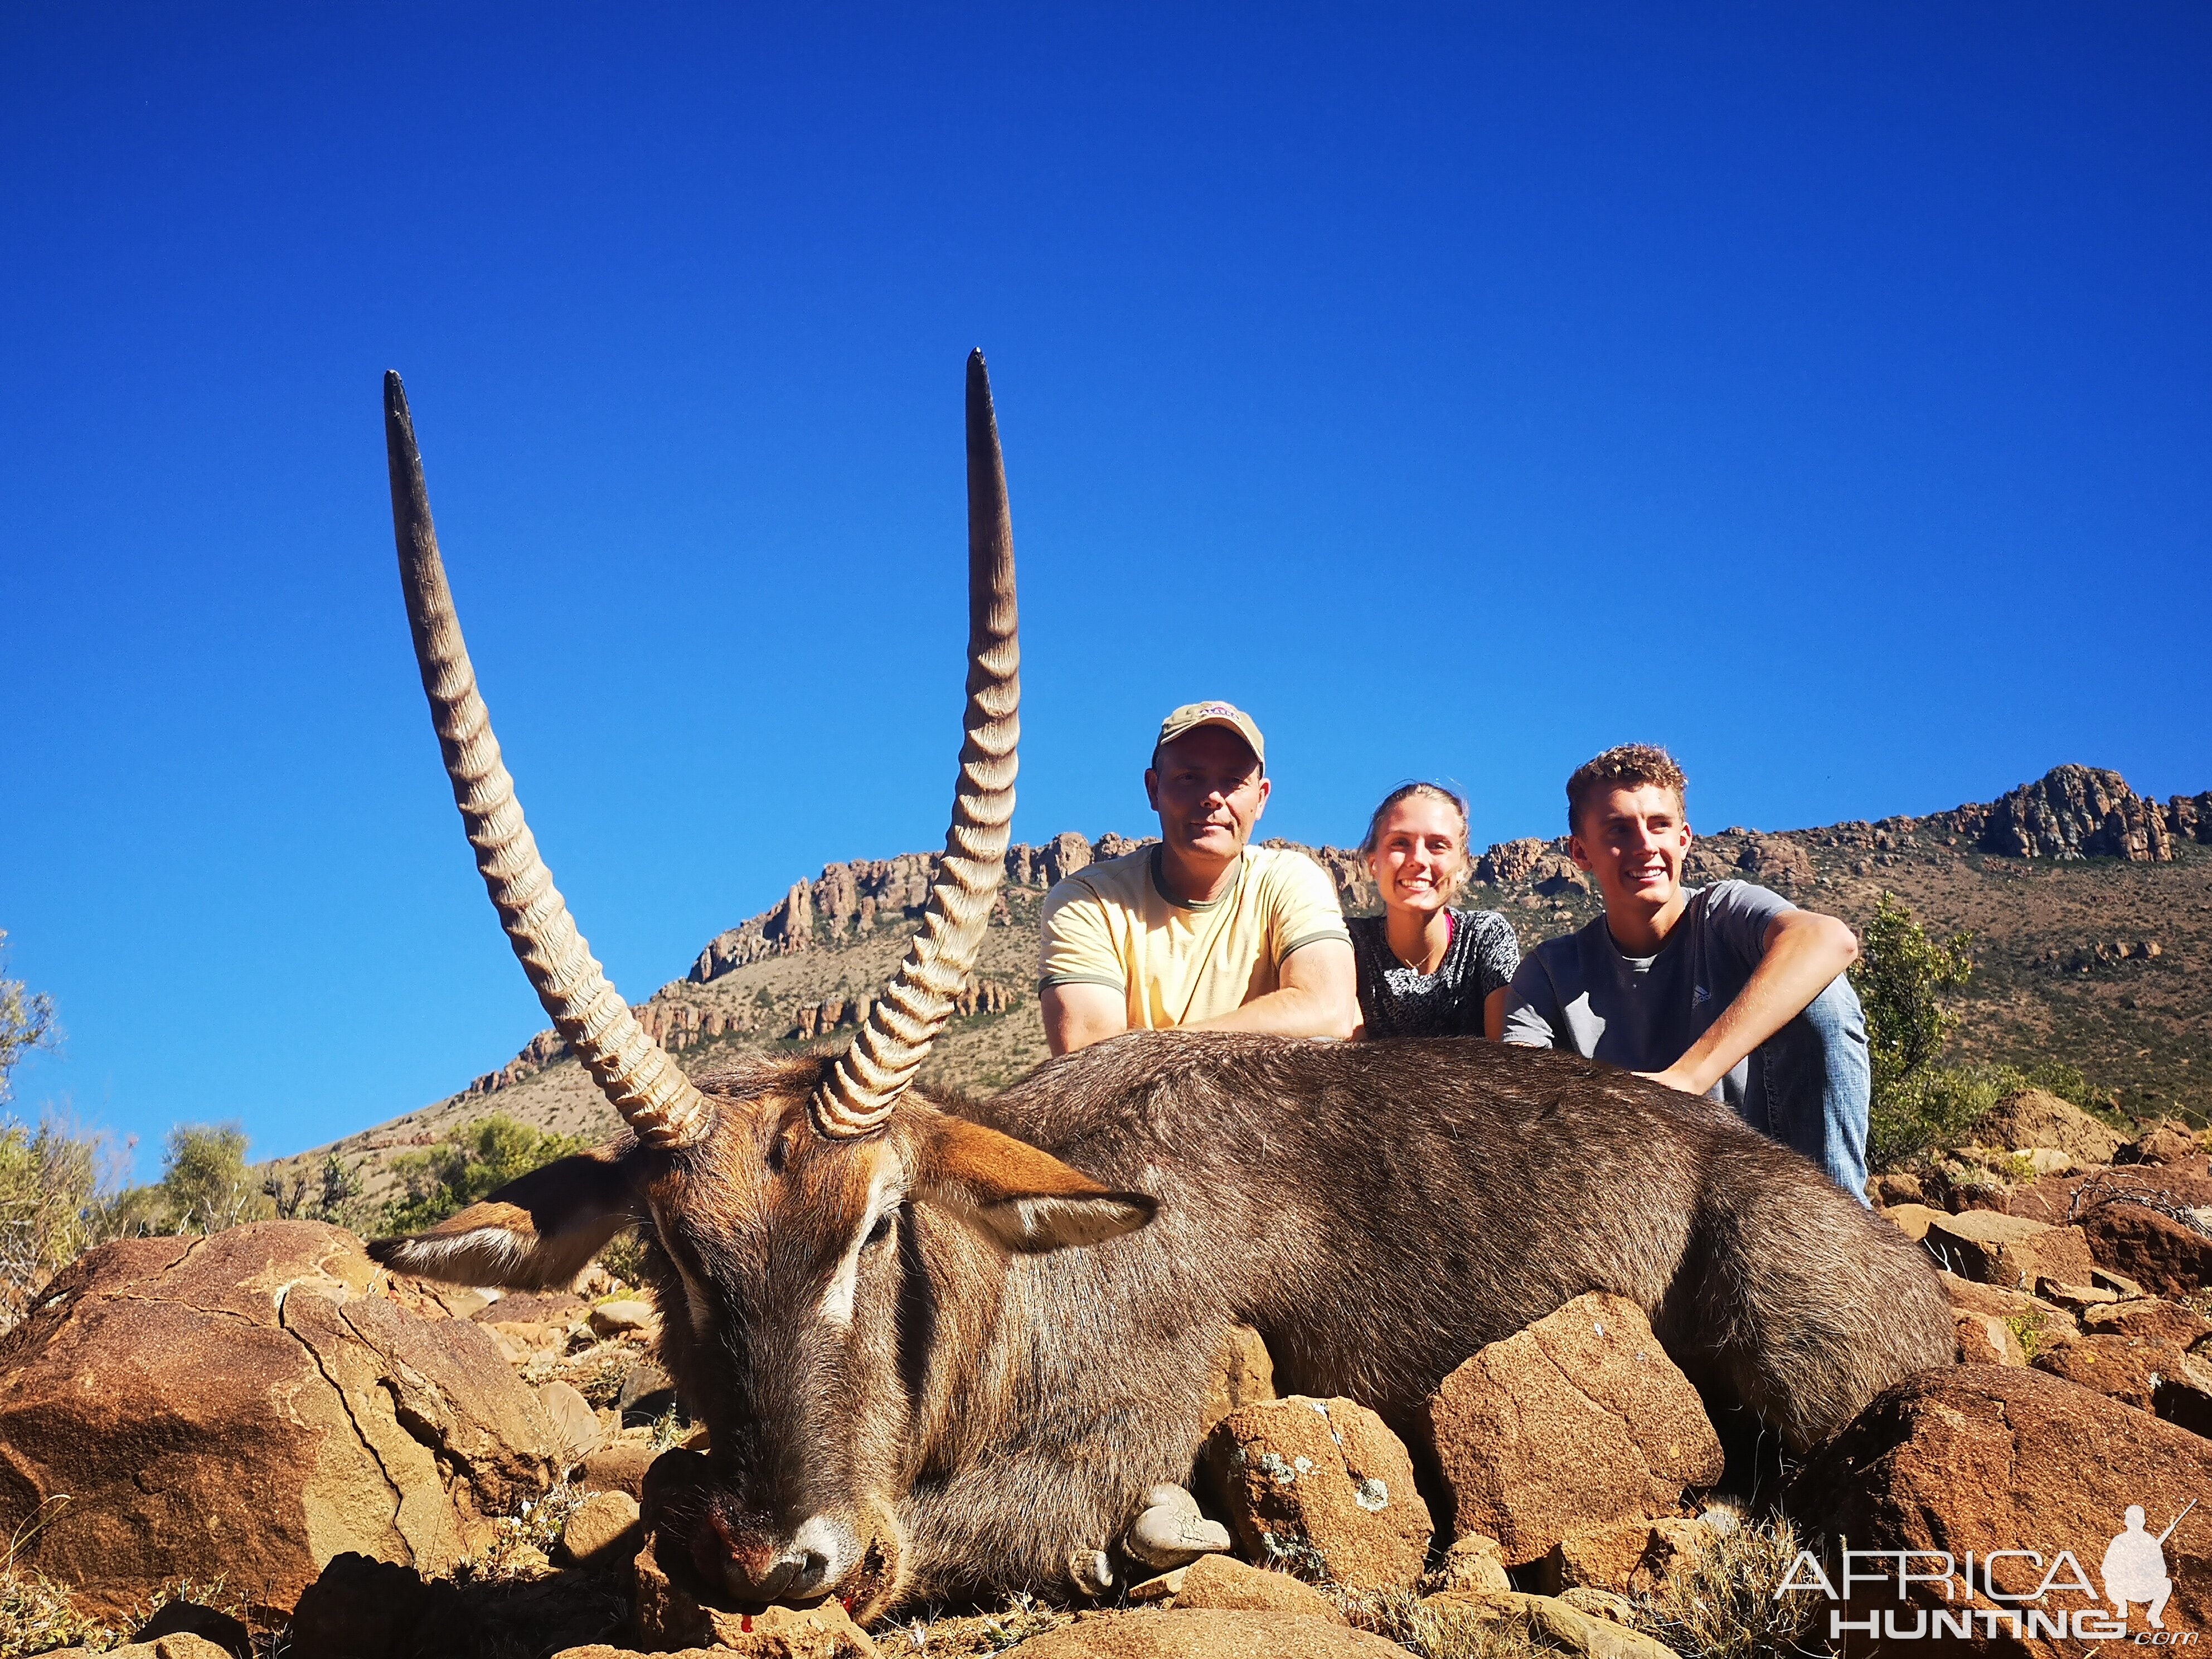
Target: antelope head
[{"x": 816, "y": 1236}]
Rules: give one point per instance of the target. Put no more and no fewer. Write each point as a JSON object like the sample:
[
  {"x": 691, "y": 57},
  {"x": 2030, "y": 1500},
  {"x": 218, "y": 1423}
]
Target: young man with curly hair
[{"x": 1728, "y": 991}]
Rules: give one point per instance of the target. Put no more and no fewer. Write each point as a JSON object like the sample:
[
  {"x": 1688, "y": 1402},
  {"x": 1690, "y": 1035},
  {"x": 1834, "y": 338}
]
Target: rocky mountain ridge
[{"x": 2103, "y": 965}]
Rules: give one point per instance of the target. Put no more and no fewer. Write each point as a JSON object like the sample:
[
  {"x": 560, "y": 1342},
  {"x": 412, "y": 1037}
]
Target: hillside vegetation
[{"x": 2090, "y": 941}]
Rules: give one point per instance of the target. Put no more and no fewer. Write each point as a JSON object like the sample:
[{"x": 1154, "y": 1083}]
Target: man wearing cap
[{"x": 1200, "y": 931}]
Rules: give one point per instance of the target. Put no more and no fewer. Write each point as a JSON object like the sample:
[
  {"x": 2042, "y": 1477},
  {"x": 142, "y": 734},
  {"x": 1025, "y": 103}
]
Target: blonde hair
[{"x": 1371, "y": 843}]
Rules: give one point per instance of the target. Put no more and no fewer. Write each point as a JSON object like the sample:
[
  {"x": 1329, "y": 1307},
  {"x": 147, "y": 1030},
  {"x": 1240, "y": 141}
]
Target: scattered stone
[
  {"x": 1322, "y": 1489},
  {"x": 1969, "y": 1296},
  {"x": 2035, "y": 1117},
  {"x": 1244, "y": 1374},
  {"x": 250, "y": 1397},
  {"x": 2183, "y": 1395},
  {"x": 576, "y": 1428},
  {"x": 1888, "y": 1191},
  {"x": 774, "y": 1632},
  {"x": 1207, "y": 1633},
  {"x": 1223, "y": 1583},
  {"x": 2142, "y": 1221},
  {"x": 191, "y": 1619},
  {"x": 2120, "y": 1368},
  {"x": 364, "y": 1609},
  {"x": 1162, "y": 1588},
  {"x": 619, "y": 1466},
  {"x": 1996, "y": 1248},
  {"x": 1980, "y": 1458},
  {"x": 1544, "y": 1621},
  {"x": 604, "y": 1528},
  {"x": 2164, "y": 1144},
  {"x": 553, "y": 1309},
  {"x": 2148, "y": 1319},
  {"x": 1986, "y": 1339},
  {"x": 627, "y": 1318},
  {"x": 1579, "y": 1420},
  {"x": 184, "y": 1644},
  {"x": 643, "y": 1387},
  {"x": 1913, "y": 1220},
  {"x": 1475, "y": 1562},
  {"x": 2074, "y": 1296},
  {"x": 1627, "y": 1557}
]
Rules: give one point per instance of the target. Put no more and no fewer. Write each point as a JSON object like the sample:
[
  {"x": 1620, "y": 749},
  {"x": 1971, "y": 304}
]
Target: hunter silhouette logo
[
  {"x": 2134, "y": 1571},
  {"x": 2135, "y": 1566}
]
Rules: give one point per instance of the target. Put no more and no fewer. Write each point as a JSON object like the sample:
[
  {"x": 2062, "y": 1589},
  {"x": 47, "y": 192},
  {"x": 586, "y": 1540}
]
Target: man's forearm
[
  {"x": 1294, "y": 1011},
  {"x": 1802, "y": 960}
]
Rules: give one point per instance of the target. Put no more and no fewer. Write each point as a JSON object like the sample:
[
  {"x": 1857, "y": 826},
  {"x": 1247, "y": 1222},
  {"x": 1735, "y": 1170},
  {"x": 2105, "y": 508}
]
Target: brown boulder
[
  {"x": 619, "y": 1467},
  {"x": 1913, "y": 1220},
  {"x": 2122, "y": 1368},
  {"x": 209, "y": 1624},
  {"x": 2148, "y": 1319},
  {"x": 1244, "y": 1374},
  {"x": 251, "y": 1397},
  {"x": 184, "y": 1644},
  {"x": 1508, "y": 1621},
  {"x": 364, "y": 1609},
  {"x": 1980, "y": 1458},
  {"x": 1993, "y": 1247},
  {"x": 2164, "y": 1144},
  {"x": 1628, "y": 1557},
  {"x": 1224, "y": 1584},
  {"x": 1203, "y": 1633},
  {"x": 2029, "y": 1118},
  {"x": 2142, "y": 1221},
  {"x": 1321, "y": 1488},
  {"x": 1475, "y": 1562},
  {"x": 1579, "y": 1420},
  {"x": 604, "y": 1528}
]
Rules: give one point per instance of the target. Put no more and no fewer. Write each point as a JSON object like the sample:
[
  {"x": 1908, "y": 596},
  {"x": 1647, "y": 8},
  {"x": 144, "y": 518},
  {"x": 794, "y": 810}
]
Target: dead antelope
[{"x": 937, "y": 1345}]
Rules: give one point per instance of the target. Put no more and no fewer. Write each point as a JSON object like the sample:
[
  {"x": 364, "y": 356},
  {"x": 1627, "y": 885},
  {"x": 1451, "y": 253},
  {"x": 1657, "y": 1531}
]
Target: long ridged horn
[
  {"x": 655, "y": 1097},
  {"x": 859, "y": 1094}
]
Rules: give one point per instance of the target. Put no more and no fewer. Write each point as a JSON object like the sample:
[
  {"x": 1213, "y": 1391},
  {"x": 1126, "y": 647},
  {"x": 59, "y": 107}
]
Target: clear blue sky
[{"x": 1821, "y": 390}]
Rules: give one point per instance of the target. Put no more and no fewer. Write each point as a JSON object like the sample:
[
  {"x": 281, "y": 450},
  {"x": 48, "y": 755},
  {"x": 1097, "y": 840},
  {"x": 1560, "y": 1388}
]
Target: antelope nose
[{"x": 822, "y": 1552}]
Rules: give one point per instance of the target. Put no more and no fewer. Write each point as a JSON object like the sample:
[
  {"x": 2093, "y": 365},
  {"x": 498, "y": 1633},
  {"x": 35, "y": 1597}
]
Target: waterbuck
[{"x": 947, "y": 1345}]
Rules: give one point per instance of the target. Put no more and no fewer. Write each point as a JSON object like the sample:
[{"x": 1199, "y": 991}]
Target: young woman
[{"x": 1427, "y": 969}]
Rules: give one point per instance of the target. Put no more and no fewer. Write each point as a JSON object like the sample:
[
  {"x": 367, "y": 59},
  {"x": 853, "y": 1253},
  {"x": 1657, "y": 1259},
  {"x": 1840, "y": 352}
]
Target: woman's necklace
[{"x": 1419, "y": 962}]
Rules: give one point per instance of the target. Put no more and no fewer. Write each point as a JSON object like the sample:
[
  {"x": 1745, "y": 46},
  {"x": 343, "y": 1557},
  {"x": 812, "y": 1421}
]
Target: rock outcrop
[
  {"x": 2074, "y": 812},
  {"x": 249, "y": 1404},
  {"x": 1580, "y": 1420},
  {"x": 1321, "y": 1489},
  {"x": 1990, "y": 1459},
  {"x": 2029, "y": 1118}
]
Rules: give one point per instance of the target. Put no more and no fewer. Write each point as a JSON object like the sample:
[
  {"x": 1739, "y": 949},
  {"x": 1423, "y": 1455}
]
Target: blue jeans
[{"x": 1809, "y": 1087}]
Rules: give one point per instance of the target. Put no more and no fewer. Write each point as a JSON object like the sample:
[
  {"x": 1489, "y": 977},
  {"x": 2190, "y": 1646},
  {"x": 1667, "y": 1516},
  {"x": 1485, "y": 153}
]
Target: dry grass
[
  {"x": 1436, "y": 1628},
  {"x": 973, "y": 1635},
  {"x": 1723, "y": 1605},
  {"x": 521, "y": 1549}
]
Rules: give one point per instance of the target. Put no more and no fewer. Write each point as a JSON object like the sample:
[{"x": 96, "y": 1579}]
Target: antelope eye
[{"x": 882, "y": 1229}]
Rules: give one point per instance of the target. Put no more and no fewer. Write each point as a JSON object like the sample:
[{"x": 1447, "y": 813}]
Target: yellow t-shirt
[{"x": 1112, "y": 924}]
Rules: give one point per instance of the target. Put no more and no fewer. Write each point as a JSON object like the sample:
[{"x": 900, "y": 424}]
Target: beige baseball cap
[{"x": 1192, "y": 715}]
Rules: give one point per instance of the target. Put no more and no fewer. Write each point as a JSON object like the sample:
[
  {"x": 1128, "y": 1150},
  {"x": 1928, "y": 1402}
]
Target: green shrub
[
  {"x": 58, "y": 1197},
  {"x": 1904, "y": 979},
  {"x": 468, "y": 1165},
  {"x": 26, "y": 1022},
  {"x": 204, "y": 1183}
]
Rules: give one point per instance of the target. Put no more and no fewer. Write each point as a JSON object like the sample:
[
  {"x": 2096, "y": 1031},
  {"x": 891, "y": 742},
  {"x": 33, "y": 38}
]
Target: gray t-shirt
[{"x": 1642, "y": 1014}]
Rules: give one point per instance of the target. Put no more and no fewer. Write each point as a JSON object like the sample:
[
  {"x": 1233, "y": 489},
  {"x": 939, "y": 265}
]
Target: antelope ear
[
  {"x": 539, "y": 1230},
  {"x": 1027, "y": 1200}
]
